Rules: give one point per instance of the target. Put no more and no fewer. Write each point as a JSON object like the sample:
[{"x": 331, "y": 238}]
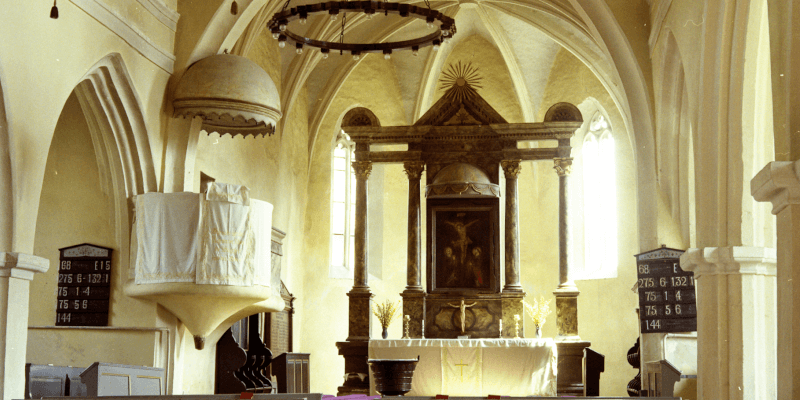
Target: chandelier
[{"x": 279, "y": 27}]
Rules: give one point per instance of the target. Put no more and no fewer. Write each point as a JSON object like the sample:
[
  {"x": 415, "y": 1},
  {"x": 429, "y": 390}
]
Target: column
[
  {"x": 355, "y": 349},
  {"x": 360, "y": 316},
  {"x": 413, "y": 277},
  {"x": 511, "y": 168},
  {"x": 566, "y": 293},
  {"x": 16, "y": 274},
  {"x": 362, "y": 170},
  {"x": 736, "y": 320},
  {"x": 779, "y": 184},
  {"x": 414, "y": 296}
]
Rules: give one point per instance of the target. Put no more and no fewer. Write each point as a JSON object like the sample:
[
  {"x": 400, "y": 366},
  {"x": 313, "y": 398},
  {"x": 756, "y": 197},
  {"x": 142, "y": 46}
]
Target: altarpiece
[{"x": 463, "y": 145}]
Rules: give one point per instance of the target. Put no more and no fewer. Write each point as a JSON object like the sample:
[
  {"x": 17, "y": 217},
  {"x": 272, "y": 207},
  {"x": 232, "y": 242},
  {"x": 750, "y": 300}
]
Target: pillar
[
  {"x": 779, "y": 184},
  {"x": 16, "y": 274},
  {"x": 414, "y": 296},
  {"x": 566, "y": 293},
  {"x": 736, "y": 321},
  {"x": 413, "y": 277},
  {"x": 355, "y": 349},
  {"x": 569, "y": 344},
  {"x": 512, "y": 168}
]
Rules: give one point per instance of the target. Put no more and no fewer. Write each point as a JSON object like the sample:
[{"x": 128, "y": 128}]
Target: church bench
[{"x": 256, "y": 396}]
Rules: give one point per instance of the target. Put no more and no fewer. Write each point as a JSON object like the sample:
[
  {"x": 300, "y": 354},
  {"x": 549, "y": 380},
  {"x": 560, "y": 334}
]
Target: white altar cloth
[{"x": 475, "y": 367}]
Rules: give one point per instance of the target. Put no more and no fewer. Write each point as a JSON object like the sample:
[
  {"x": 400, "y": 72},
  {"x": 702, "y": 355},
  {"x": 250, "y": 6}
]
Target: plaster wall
[
  {"x": 34, "y": 100},
  {"x": 74, "y": 210},
  {"x": 606, "y": 307},
  {"x": 372, "y": 84}
]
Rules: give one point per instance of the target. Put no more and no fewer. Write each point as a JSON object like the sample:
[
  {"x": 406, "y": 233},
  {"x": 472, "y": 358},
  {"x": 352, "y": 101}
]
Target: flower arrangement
[
  {"x": 386, "y": 312},
  {"x": 538, "y": 311}
]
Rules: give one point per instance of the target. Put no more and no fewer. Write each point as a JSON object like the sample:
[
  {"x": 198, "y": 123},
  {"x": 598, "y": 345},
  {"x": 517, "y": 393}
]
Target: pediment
[{"x": 461, "y": 105}]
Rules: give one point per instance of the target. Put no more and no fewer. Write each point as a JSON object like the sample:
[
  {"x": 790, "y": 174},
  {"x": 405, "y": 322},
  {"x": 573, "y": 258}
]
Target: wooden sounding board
[
  {"x": 667, "y": 297},
  {"x": 84, "y": 285}
]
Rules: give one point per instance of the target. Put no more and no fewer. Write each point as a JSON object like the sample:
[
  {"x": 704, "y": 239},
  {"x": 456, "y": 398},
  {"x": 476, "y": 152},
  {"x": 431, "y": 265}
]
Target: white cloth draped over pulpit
[{"x": 221, "y": 237}]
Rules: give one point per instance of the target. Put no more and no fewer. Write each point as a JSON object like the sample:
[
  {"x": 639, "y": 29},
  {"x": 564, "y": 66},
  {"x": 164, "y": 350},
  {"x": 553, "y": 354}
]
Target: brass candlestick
[
  {"x": 406, "y": 319},
  {"x": 516, "y": 326}
]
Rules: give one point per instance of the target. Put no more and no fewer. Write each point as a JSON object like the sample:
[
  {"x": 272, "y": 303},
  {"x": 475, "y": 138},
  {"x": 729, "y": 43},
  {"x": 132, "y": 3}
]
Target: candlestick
[
  {"x": 516, "y": 326},
  {"x": 423, "y": 328},
  {"x": 500, "y": 322},
  {"x": 407, "y": 319}
]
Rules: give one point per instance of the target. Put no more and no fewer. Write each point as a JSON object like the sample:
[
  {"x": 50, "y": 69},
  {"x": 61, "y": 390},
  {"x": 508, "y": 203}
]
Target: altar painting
[{"x": 462, "y": 249}]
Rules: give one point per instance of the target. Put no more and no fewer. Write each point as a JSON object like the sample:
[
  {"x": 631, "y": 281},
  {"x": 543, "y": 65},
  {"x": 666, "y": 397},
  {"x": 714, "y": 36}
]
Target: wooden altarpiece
[{"x": 463, "y": 144}]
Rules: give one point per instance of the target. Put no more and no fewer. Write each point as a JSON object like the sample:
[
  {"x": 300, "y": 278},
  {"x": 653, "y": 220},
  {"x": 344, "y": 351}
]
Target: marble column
[
  {"x": 362, "y": 170},
  {"x": 779, "y": 183},
  {"x": 16, "y": 274},
  {"x": 413, "y": 276},
  {"x": 414, "y": 296},
  {"x": 512, "y": 168},
  {"x": 736, "y": 321},
  {"x": 566, "y": 293}
]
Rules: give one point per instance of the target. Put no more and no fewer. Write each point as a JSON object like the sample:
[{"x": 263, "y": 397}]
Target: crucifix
[
  {"x": 463, "y": 308},
  {"x": 461, "y": 367}
]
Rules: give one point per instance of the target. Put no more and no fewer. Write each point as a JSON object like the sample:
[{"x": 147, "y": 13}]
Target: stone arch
[
  {"x": 6, "y": 193},
  {"x": 116, "y": 123}
]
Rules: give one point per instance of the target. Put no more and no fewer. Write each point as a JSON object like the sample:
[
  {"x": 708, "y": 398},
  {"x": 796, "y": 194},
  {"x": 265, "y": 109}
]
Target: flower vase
[
  {"x": 385, "y": 333},
  {"x": 538, "y": 332}
]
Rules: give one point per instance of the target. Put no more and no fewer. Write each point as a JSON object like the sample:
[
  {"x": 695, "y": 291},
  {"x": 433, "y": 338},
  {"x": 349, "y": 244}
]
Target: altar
[{"x": 475, "y": 367}]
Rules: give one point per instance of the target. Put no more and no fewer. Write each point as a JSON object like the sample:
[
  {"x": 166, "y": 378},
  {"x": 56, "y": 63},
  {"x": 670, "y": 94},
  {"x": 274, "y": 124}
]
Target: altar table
[{"x": 475, "y": 367}]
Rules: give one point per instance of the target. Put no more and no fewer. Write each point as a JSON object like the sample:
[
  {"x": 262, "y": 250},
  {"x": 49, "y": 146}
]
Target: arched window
[
  {"x": 595, "y": 233},
  {"x": 343, "y": 202}
]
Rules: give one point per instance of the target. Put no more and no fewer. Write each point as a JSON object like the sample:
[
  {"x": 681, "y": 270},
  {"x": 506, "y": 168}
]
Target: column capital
[
  {"x": 512, "y": 168},
  {"x": 778, "y": 183},
  {"x": 23, "y": 266},
  {"x": 562, "y": 165},
  {"x": 734, "y": 260},
  {"x": 362, "y": 169},
  {"x": 414, "y": 169}
]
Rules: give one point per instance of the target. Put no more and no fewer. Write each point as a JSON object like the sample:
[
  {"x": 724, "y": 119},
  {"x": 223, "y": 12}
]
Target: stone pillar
[
  {"x": 569, "y": 344},
  {"x": 512, "y": 169},
  {"x": 779, "y": 183},
  {"x": 360, "y": 296},
  {"x": 355, "y": 349},
  {"x": 414, "y": 296},
  {"x": 736, "y": 321},
  {"x": 566, "y": 293},
  {"x": 16, "y": 273},
  {"x": 362, "y": 170},
  {"x": 413, "y": 276}
]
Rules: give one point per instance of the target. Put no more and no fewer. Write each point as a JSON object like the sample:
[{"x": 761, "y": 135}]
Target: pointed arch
[
  {"x": 6, "y": 192},
  {"x": 116, "y": 123}
]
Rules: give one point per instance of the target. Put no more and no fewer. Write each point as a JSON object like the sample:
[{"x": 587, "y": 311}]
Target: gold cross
[{"x": 462, "y": 365}]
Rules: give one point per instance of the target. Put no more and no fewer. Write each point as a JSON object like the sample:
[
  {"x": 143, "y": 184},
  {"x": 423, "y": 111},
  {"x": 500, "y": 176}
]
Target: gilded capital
[
  {"x": 512, "y": 168},
  {"x": 563, "y": 165},
  {"x": 414, "y": 169},
  {"x": 362, "y": 169}
]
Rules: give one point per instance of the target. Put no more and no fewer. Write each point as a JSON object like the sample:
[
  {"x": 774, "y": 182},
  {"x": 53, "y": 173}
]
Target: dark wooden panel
[{"x": 667, "y": 299}]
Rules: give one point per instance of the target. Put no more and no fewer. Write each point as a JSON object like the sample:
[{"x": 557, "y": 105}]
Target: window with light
[
  {"x": 599, "y": 200},
  {"x": 343, "y": 203}
]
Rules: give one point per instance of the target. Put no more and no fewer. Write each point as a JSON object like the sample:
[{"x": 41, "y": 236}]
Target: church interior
[{"x": 247, "y": 189}]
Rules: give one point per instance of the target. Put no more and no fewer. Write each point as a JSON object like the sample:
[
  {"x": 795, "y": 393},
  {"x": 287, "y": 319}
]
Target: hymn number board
[
  {"x": 84, "y": 283},
  {"x": 667, "y": 299}
]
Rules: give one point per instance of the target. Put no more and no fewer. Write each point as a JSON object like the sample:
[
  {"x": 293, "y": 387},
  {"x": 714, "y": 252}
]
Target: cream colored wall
[
  {"x": 372, "y": 84},
  {"x": 74, "y": 210},
  {"x": 606, "y": 307},
  {"x": 497, "y": 86},
  {"x": 34, "y": 96}
]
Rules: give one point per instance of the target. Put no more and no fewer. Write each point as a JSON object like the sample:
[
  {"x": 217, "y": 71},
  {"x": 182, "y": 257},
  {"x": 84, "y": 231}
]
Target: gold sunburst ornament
[{"x": 460, "y": 80}]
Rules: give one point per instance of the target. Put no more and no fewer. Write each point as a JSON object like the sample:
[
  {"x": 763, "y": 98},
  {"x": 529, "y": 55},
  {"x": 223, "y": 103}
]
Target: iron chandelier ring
[{"x": 281, "y": 19}]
